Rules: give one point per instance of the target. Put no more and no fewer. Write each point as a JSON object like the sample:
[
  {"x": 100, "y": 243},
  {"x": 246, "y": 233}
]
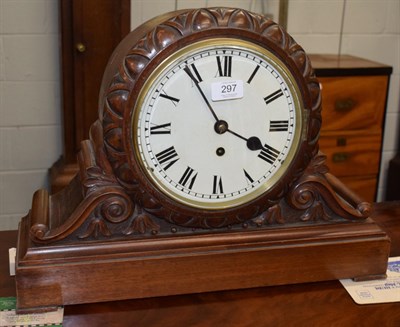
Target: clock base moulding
[
  {"x": 73, "y": 273},
  {"x": 104, "y": 248},
  {"x": 108, "y": 271}
]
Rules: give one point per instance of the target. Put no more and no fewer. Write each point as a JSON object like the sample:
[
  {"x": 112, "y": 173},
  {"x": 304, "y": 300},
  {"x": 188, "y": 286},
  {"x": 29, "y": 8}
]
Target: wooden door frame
[{"x": 66, "y": 167}]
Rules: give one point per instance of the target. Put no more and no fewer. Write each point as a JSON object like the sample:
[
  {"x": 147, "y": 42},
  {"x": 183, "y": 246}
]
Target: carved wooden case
[{"x": 112, "y": 235}]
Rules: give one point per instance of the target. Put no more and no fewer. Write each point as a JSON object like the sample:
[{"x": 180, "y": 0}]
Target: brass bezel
[{"x": 300, "y": 123}]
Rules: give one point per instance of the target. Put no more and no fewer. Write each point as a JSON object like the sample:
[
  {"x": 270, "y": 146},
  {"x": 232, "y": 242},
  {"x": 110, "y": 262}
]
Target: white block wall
[
  {"x": 371, "y": 29},
  {"x": 30, "y": 128},
  {"x": 30, "y": 123}
]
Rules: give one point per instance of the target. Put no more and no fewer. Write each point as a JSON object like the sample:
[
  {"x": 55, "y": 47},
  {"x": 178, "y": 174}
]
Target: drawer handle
[
  {"x": 341, "y": 141},
  {"x": 343, "y": 105},
  {"x": 340, "y": 157}
]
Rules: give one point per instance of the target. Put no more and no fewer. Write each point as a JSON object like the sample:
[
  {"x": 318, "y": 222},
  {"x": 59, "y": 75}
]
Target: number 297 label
[{"x": 228, "y": 90}]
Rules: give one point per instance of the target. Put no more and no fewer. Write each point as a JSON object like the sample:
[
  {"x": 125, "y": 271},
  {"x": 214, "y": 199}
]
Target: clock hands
[
  {"x": 253, "y": 143},
  {"x": 196, "y": 82}
]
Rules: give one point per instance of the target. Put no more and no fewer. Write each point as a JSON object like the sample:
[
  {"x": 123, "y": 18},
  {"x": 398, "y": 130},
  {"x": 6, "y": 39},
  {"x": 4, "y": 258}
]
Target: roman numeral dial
[
  {"x": 253, "y": 74},
  {"x": 160, "y": 129},
  {"x": 216, "y": 124},
  {"x": 167, "y": 157},
  {"x": 249, "y": 179},
  {"x": 188, "y": 178},
  {"x": 273, "y": 96},
  {"x": 193, "y": 73},
  {"x": 224, "y": 66},
  {"x": 278, "y": 125},
  {"x": 269, "y": 154},
  {"x": 217, "y": 185},
  {"x": 174, "y": 100}
]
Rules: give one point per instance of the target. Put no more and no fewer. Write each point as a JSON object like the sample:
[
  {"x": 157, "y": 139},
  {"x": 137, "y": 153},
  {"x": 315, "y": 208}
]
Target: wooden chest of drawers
[{"x": 354, "y": 94}]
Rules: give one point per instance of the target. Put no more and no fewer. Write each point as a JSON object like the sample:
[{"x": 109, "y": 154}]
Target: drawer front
[
  {"x": 355, "y": 102},
  {"x": 364, "y": 187},
  {"x": 351, "y": 155}
]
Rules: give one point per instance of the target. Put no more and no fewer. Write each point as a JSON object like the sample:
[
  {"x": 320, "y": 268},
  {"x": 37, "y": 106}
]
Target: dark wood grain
[
  {"x": 8, "y": 239},
  {"x": 393, "y": 179},
  {"x": 311, "y": 304},
  {"x": 330, "y": 65},
  {"x": 99, "y": 25}
]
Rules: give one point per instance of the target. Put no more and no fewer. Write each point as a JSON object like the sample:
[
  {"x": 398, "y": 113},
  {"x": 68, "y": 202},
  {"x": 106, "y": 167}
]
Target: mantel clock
[{"x": 202, "y": 173}]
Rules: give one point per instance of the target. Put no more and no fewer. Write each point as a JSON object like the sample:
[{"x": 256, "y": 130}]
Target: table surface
[{"x": 311, "y": 304}]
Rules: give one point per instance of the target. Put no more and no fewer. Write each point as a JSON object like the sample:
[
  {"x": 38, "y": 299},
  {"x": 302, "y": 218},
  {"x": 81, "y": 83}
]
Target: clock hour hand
[
  {"x": 196, "y": 82},
  {"x": 253, "y": 143}
]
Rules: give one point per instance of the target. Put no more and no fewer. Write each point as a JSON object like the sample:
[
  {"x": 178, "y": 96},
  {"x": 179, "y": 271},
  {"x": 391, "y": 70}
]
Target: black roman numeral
[
  {"x": 253, "y": 74},
  {"x": 273, "y": 96},
  {"x": 188, "y": 178},
  {"x": 193, "y": 73},
  {"x": 269, "y": 154},
  {"x": 161, "y": 129},
  {"x": 224, "y": 66},
  {"x": 248, "y": 177},
  {"x": 174, "y": 101},
  {"x": 167, "y": 157},
  {"x": 278, "y": 125},
  {"x": 217, "y": 185}
]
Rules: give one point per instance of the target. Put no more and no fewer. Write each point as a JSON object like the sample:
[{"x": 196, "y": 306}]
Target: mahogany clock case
[{"x": 111, "y": 234}]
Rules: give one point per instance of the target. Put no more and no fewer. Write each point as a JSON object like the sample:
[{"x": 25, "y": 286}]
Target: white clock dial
[{"x": 217, "y": 123}]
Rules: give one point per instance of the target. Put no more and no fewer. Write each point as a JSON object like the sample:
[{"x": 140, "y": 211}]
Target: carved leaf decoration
[
  {"x": 141, "y": 224},
  {"x": 314, "y": 89},
  {"x": 315, "y": 212},
  {"x": 203, "y": 19},
  {"x": 241, "y": 19},
  {"x": 274, "y": 214},
  {"x": 134, "y": 64},
  {"x": 116, "y": 102},
  {"x": 318, "y": 165},
  {"x": 96, "y": 138},
  {"x": 97, "y": 178},
  {"x": 125, "y": 175},
  {"x": 104, "y": 164},
  {"x": 259, "y": 220},
  {"x": 114, "y": 138},
  {"x": 299, "y": 56},
  {"x": 276, "y": 34},
  {"x": 96, "y": 227},
  {"x": 179, "y": 23},
  {"x": 164, "y": 36}
]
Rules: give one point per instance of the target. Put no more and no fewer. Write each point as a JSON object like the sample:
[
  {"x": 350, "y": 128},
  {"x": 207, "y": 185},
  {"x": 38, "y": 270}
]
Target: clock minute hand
[{"x": 196, "y": 82}]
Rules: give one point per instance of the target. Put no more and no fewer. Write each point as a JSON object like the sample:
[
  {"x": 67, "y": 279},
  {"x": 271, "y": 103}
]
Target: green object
[{"x": 9, "y": 304}]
